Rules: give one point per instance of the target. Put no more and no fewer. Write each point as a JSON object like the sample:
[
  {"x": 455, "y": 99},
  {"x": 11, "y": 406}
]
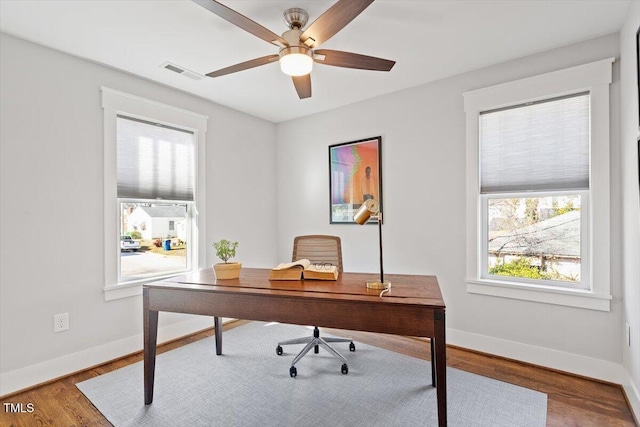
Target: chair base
[{"x": 315, "y": 342}]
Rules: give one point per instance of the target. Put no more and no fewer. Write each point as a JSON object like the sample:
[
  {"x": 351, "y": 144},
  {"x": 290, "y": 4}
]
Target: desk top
[{"x": 405, "y": 289}]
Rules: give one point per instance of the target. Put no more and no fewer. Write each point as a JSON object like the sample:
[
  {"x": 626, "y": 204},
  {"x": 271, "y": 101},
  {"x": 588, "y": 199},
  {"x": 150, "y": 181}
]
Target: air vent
[
  {"x": 174, "y": 68},
  {"x": 181, "y": 70}
]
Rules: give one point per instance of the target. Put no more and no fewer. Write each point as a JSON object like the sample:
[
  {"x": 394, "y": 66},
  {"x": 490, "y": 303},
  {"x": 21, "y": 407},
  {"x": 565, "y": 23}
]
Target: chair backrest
[{"x": 318, "y": 248}]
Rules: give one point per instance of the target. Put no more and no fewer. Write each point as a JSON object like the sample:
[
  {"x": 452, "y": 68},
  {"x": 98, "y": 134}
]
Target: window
[
  {"x": 537, "y": 189},
  {"x": 152, "y": 187},
  {"x": 532, "y": 157},
  {"x": 155, "y": 189}
]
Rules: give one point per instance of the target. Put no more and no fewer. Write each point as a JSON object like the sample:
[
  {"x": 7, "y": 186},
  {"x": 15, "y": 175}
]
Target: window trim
[
  {"x": 113, "y": 103},
  {"x": 594, "y": 77}
]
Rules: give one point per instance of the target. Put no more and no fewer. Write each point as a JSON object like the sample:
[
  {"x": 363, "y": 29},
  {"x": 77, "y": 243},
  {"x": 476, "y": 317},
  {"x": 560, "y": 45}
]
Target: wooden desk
[{"x": 413, "y": 307}]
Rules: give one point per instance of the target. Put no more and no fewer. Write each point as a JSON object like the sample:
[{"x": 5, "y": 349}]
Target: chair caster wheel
[
  {"x": 279, "y": 350},
  {"x": 293, "y": 372},
  {"x": 352, "y": 347},
  {"x": 344, "y": 369}
]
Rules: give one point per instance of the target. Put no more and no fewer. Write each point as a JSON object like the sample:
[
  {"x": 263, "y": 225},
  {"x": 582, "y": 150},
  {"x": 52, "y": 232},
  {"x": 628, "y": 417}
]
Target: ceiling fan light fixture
[{"x": 296, "y": 60}]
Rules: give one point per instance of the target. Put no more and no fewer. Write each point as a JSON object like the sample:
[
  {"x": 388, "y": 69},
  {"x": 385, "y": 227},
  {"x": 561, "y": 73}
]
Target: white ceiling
[{"x": 429, "y": 39}]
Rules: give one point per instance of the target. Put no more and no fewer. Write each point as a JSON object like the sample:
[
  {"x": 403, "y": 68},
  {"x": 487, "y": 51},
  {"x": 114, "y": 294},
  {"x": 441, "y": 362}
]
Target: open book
[{"x": 303, "y": 269}]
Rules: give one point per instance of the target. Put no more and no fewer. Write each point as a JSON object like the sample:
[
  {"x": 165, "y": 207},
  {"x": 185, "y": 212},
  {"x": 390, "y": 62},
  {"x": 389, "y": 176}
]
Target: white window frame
[
  {"x": 594, "y": 78},
  {"x": 113, "y": 103}
]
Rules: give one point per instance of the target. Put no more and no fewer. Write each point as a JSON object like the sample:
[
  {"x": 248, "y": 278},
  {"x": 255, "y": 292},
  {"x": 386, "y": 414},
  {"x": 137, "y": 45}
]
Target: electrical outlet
[
  {"x": 627, "y": 331},
  {"x": 61, "y": 322}
]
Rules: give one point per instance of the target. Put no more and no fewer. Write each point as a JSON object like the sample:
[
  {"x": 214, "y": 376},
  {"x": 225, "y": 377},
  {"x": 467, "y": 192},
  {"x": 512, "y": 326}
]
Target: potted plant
[{"x": 226, "y": 250}]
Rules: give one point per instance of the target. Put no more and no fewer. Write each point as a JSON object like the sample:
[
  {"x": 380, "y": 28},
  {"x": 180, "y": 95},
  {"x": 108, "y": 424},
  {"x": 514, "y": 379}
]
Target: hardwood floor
[{"x": 572, "y": 401}]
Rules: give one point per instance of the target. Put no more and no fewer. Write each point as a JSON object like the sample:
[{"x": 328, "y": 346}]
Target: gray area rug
[{"x": 249, "y": 385}]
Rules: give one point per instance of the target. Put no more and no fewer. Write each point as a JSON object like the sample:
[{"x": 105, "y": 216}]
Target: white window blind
[
  {"x": 536, "y": 147},
  {"x": 154, "y": 161}
]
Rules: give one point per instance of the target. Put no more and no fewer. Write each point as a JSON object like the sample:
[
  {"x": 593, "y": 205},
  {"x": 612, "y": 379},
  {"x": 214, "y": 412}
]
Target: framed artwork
[{"x": 355, "y": 175}]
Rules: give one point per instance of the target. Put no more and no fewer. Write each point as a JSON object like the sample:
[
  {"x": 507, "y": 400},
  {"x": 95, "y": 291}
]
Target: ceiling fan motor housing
[
  {"x": 302, "y": 50},
  {"x": 292, "y": 37}
]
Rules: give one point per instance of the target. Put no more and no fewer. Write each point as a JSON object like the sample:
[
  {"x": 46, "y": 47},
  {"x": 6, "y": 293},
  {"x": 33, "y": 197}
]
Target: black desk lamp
[{"x": 371, "y": 209}]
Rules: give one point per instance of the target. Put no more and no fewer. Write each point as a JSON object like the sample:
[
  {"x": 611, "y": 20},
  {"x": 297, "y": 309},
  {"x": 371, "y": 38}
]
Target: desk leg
[
  {"x": 433, "y": 362},
  {"x": 150, "y": 326},
  {"x": 441, "y": 367},
  {"x": 217, "y": 329}
]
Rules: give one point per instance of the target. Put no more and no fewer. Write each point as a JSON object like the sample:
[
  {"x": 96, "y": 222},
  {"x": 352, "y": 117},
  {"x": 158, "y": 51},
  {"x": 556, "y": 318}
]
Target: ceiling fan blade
[
  {"x": 303, "y": 85},
  {"x": 244, "y": 65},
  {"x": 333, "y": 20},
  {"x": 242, "y": 21},
  {"x": 338, "y": 58}
]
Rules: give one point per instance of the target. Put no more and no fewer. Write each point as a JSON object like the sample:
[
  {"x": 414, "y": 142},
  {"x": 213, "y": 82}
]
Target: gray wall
[
  {"x": 423, "y": 149},
  {"x": 51, "y": 207},
  {"x": 630, "y": 133}
]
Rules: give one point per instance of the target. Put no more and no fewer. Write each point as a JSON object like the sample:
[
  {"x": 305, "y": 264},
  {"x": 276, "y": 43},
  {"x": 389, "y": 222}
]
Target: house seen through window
[
  {"x": 161, "y": 247},
  {"x": 534, "y": 237}
]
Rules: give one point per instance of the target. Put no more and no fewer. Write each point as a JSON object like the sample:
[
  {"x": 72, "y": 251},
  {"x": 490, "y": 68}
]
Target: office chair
[{"x": 318, "y": 249}]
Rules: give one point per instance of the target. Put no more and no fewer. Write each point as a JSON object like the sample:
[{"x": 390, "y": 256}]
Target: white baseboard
[
  {"x": 30, "y": 376},
  {"x": 633, "y": 395},
  {"x": 554, "y": 359}
]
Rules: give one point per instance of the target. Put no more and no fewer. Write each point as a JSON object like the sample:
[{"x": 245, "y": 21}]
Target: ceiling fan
[{"x": 298, "y": 48}]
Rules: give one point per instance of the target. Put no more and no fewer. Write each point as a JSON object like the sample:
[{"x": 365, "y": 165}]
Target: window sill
[
  {"x": 131, "y": 289},
  {"x": 544, "y": 294}
]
